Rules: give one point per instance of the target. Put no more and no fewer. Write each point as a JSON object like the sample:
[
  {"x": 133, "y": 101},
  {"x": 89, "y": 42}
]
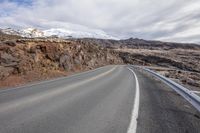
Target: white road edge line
[
  {"x": 39, "y": 97},
  {"x": 133, "y": 124},
  {"x": 198, "y": 92}
]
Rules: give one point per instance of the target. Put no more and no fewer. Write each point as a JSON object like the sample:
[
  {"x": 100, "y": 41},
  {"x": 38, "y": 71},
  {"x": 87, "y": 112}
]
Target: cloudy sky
[{"x": 168, "y": 20}]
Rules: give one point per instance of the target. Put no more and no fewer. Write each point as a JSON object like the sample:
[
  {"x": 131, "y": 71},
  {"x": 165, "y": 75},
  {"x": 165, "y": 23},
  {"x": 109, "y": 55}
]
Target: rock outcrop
[{"x": 33, "y": 59}]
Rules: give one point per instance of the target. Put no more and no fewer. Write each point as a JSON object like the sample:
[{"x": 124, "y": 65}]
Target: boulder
[
  {"x": 10, "y": 43},
  {"x": 8, "y": 60},
  {"x": 51, "y": 51},
  {"x": 5, "y": 72},
  {"x": 64, "y": 61}
]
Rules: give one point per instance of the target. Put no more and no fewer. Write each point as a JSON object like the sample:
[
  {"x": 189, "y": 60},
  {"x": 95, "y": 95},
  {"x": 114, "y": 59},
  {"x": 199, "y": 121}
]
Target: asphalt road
[{"x": 99, "y": 101}]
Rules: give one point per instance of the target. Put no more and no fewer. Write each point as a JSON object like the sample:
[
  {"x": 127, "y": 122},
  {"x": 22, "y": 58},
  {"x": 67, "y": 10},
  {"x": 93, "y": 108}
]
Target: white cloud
[{"x": 168, "y": 20}]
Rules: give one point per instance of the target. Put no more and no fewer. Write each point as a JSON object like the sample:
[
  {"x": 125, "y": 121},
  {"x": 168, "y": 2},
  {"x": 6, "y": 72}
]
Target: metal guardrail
[{"x": 186, "y": 93}]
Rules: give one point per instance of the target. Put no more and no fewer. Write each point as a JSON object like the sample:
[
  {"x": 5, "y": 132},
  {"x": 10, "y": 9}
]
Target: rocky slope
[{"x": 25, "y": 60}]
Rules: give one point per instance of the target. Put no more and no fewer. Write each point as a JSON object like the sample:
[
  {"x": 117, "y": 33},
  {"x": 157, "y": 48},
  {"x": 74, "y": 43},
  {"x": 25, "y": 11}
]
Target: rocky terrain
[
  {"x": 179, "y": 61},
  {"x": 182, "y": 65},
  {"x": 25, "y": 60}
]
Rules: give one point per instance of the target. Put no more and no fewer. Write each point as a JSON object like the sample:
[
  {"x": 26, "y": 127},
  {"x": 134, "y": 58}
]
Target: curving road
[{"x": 104, "y": 100}]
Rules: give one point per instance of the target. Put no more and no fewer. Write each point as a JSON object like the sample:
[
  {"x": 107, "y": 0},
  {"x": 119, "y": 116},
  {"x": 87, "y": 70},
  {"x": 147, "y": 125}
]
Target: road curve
[
  {"x": 92, "y": 102},
  {"x": 99, "y": 101}
]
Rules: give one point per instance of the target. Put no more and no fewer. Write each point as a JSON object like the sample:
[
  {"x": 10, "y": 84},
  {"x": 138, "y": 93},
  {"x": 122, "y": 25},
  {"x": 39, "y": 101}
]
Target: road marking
[
  {"x": 49, "y": 80},
  {"x": 198, "y": 92},
  {"x": 41, "y": 96},
  {"x": 133, "y": 124}
]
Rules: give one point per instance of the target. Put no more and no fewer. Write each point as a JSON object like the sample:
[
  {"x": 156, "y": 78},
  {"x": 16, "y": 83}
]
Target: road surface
[{"x": 105, "y": 100}]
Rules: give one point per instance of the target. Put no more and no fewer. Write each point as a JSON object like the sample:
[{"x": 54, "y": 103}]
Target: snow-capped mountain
[
  {"x": 77, "y": 34},
  {"x": 10, "y": 31},
  {"x": 32, "y": 32},
  {"x": 59, "y": 32}
]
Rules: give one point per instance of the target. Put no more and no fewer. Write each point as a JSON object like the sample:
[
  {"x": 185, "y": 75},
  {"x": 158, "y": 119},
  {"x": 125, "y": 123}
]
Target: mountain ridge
[
  {"x": 57, "y": 32},
  {"x": 136, "y": 43}
]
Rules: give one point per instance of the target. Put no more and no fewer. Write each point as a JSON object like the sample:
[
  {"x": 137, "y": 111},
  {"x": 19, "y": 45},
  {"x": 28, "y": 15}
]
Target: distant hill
[{"x": 140, "y": 43}]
